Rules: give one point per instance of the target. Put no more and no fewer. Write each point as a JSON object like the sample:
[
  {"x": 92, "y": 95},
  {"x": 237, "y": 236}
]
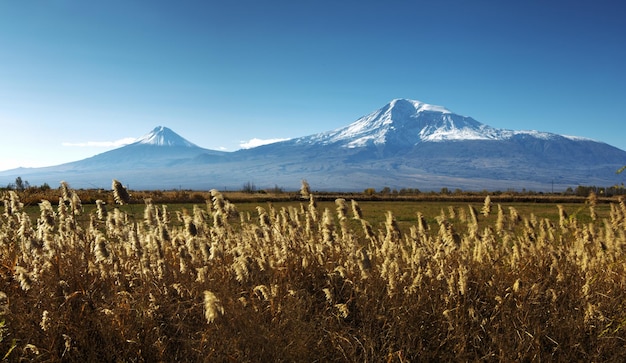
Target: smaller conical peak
[{"x": 163, "y": 136}]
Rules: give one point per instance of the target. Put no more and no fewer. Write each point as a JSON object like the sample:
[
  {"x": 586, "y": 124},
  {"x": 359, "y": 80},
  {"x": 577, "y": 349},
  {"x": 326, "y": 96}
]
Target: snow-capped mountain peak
[
  {"x": 400, "y": 105},
  {"x": 406, "y": 122},
  {"x": 163, "y": 136}
]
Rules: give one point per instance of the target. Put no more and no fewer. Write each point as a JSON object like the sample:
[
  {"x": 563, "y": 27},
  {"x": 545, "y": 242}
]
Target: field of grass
[{"x": 312, "y": 280}]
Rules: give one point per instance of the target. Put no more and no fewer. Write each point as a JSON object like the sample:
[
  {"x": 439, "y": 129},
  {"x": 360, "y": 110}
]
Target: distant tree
[
  {"x": 248, "y": 187},
  {"x": 20, "y": 184}
]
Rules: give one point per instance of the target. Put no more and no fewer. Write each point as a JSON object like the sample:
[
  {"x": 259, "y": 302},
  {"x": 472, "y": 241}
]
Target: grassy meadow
[{"x": 310, "y": 279}]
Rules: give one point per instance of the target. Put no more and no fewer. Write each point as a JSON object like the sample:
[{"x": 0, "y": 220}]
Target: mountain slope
[
  {"x": 408, "y": 143},
  {"x": 158, "y": 153},
  {"x": 404, "y": 144}
]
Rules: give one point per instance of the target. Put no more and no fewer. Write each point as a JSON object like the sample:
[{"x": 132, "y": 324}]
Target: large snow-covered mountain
[
  {"x": 405, "y": 144},
  {"x": 403, "y": 123}
]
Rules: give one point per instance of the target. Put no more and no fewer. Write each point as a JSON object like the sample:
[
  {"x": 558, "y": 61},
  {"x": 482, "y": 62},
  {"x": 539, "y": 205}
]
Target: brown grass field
[{"x": 226, "y": 278}]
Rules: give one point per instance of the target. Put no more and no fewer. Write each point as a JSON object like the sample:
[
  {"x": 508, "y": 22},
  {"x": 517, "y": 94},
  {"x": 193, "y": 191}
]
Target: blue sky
[{"x": 78, "y": 78}]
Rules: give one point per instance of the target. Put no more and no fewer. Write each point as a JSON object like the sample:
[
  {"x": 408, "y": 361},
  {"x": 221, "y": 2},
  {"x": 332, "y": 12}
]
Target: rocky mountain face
[{"x": 404, "y": 144}]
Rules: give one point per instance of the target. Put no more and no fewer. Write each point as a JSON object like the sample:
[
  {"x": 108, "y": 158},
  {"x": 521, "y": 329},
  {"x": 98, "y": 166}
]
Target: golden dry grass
[{"x": 311, "y": 281}]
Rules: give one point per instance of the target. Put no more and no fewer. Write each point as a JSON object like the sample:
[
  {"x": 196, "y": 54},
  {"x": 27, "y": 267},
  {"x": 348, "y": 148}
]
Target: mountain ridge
[
  {"x": 426, "y": 122},
  {"x": 404, "y": 144}
]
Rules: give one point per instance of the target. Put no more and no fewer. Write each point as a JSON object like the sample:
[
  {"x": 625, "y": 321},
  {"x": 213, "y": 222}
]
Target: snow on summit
[
  {"x": 409, "y": 122},
  {"x": 404, "y": 121},
  {"x": 163, "y": 136}
]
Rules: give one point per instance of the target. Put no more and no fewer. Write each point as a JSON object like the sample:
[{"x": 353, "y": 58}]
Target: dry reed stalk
[
  {"x": 486, "y": 209},
  {"x": 212, "y": 307},
  {"x": 120, "y": 194}
]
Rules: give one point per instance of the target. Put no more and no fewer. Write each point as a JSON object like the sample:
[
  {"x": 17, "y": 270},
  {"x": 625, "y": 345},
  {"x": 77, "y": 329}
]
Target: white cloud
[
  {"x": 117, "y": 143},
  {"x": 258, "y": 142}
]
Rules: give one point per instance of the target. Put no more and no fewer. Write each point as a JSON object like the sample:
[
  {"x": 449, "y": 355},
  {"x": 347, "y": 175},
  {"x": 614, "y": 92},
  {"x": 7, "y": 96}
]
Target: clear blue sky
[{"x": 76, "y": 76}]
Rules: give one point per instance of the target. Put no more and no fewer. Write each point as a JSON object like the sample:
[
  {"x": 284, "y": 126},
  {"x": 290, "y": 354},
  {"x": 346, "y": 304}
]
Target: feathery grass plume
[
  {"x": 391, "y": 225},
  {"x": 422, "y": 225},
  {"x": 342, "y": 208},
  {"x": 448, "y": 235},
  {"x": 200, "y": 216},
  {"x": 263, "y": 292},
  {"x": 264, "y": 218},
  {"x": 230, "y": 209},
  {"x": 313, "y": 208},
  {"x": 472, "y": 227},
  {"x": 517, "y": 285},
  {"x": 615, "y": 216},
  {"x": 240, "y": 267},
  {"x": 452, "y": 212},
  {"x": 135, "y": 240},
  {"x": 164, "y": 216},
  {"x": 356, "y": 210},
  {"x": 212, "y": 307},
  {"x": 8, "y": 211},
  {"x": 101, "y": 210},
  {"x": 218, "y": 200},
  {"x": 514, "y": 215},
  {"x": 592, "y": 200},
  {"x": 191, "y": 228},
  {"x": 562, "y": 217},
  {"x": 622, "y": 207},
  {"x": 365, "y": 264},
  {"x": 184, "y": 259},
  {"x": 23, "y": 277},
  {"x": 368, "y": 230},
  {"x": 500, "y": 220},
  {"x": 305, "y": 189},
  {"x": 45, "y": 320},
  {"x": 327, "y": 227},
  {"x": 342, "y": 216},
  {"x": 486, "y": 210},
  {"x": 76, "y": 203},
  {"x": 4, "y": 303},
  {"x": 149, "y": 213},
  {"x": 441, "y": 217},
  {"x": 70, "y": 196},
  {"x": 218, "y": 207},
  {"x": 463, "y": 278},
  {"x": 343, "y": 310},
  {"x": 473, "y": 215},
  {"x": 25, "y": 230},
  {"x": 100, "y": 249},
  {"x": 46, "y": 216},
  {"x": 328, "y": 294},
  {"x": 120, "y": 194},
  {"x": 16, "y": 205},
  {"x": 65, "y": 190}
]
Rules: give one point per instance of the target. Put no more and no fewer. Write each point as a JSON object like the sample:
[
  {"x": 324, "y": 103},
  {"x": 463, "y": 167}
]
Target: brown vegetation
[{"x": 303, "y": 283}]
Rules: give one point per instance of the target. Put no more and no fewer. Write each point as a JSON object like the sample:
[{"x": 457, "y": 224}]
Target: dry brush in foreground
[{"x": 302, "y": 284}]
